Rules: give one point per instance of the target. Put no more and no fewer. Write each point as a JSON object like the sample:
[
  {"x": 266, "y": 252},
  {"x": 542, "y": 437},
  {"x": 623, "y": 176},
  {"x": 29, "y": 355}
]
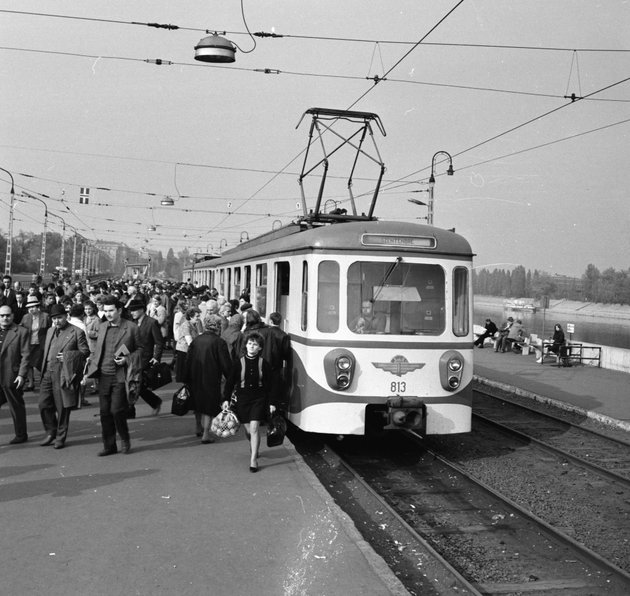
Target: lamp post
[
  {"x": 449, "y": 172},
  {"x": 7, "y": 262},
  {"x": 222, "y": 244},
  {"x": 42, "y": 261}
]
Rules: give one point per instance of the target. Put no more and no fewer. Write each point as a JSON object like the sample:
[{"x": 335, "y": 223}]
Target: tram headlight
[
  {"x": 451, "y": 370},
  {"x": 339, "y": 367}
]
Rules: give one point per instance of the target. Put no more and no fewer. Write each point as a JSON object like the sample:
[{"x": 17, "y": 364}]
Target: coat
[
  {"x": 129, "y": 337},
  {"x": 73, "y": 344},
  {"x": 151, "y": 340},
  {"x": 13, "y": 356},
  {"x": 207, "y": 361}
]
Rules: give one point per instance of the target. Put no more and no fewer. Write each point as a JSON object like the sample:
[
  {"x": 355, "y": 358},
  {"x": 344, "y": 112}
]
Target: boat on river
[{"x": 520, "y": 304}]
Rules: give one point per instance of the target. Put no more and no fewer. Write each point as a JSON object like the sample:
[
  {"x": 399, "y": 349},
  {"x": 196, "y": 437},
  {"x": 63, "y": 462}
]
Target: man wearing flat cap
[
  {"x": 65, "y": 352},
  {"x": 152, "y": 347}
]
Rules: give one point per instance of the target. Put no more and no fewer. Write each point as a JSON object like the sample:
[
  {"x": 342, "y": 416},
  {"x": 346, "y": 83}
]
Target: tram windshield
[{"x": 396, "y": 298}]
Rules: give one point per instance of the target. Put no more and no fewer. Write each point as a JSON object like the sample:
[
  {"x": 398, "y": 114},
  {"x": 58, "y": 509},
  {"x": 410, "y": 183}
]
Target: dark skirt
[
  {"x": 36, "y": 356},
  {"x": 180, "y": 365},
  {"x": 248, "y": 408}
]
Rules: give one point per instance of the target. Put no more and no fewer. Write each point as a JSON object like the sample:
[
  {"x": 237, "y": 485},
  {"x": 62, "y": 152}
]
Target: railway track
[
  {"x": 499, "y": 545},
  {"x": 593, "y": 450}
]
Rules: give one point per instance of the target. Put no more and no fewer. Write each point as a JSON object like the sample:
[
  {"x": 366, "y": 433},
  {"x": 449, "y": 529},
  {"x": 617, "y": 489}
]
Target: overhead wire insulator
[
  {"x": 376, "y": 79},
  {"x": 265, "y": 34},
  {"x": 267, "y": 70},
  {"x": 159, "y": 25},
  {"x": 157, "y": 61}
]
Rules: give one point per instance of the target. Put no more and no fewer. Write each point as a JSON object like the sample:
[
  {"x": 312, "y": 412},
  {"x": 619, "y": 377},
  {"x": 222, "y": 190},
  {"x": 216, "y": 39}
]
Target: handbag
[
  {"x": 159, "y": 375},
  {"x": 181, "y": 401},
  {"x": 276, "y": 430},
  {"x": 225, "y": 424}
]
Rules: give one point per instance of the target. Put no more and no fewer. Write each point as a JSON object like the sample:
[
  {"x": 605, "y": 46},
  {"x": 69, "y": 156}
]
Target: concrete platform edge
[
  {"x": 375, "y": 561},
  {"x": 554, "y": 402}
]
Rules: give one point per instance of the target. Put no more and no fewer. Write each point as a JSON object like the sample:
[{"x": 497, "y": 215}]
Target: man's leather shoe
[
  {"x": 18, "y": 440},
  {"x": 126, "y": 446},
  {"x": 109, "y": 451},
  {"x": 49, "y": 440},
  {"x": 59, "y": 445}
]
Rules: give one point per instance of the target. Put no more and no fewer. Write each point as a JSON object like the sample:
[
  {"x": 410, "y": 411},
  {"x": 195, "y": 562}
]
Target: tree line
[
  {"x": 27, "y": 247},
  {"x": 609, "y": 286}
]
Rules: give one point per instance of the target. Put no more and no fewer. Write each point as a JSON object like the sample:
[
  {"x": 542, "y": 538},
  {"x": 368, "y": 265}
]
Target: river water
[{"x": 603, "y": 332}]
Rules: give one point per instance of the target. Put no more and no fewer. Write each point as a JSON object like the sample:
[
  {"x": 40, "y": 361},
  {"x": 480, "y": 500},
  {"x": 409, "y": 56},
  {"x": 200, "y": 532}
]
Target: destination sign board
[{"x": 399, "y": 241}]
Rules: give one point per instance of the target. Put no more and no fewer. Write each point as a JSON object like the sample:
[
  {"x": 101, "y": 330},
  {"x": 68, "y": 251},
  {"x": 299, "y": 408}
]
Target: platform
[
  {"x": 595, "y": 392},
  {"x": 172, "y": 517}
]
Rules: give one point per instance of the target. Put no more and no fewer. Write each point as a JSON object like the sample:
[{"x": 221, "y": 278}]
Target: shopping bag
[
  {"x": 276, "y": 429},
  {"x": 159, "y": 375},
  {"x": 181, "y": 401},
  {"x": 225, "y": 424}
]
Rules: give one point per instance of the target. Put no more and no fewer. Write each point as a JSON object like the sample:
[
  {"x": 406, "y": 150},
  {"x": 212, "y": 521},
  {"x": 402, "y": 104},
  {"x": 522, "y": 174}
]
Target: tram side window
[
  {"x": 396, "y": 298},
  {"x": 304, "y": 308},
  {"x": 328, "y": 297},
  {"x": 237, "y": 282},
  {"x": 261, "y": 289},
  {"x": 460, "y": 302},
  {"x": 222, "y": 289},
  {"x": 283, "y": 278}
]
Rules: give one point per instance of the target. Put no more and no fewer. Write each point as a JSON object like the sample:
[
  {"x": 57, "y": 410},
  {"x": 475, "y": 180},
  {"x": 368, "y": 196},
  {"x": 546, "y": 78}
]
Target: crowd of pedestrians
[{"x": 63, "y": 339}]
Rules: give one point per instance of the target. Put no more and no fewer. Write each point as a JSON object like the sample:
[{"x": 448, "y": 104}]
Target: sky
[{"x": 540, "y": 180}]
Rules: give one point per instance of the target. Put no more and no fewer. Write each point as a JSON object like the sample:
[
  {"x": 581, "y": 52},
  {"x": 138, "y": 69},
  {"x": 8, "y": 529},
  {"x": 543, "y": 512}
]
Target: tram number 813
[{"x": 398, "y": 387}]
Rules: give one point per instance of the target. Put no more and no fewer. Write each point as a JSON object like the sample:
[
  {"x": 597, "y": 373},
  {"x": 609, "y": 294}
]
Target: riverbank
[{"x": 590, "y": 310}]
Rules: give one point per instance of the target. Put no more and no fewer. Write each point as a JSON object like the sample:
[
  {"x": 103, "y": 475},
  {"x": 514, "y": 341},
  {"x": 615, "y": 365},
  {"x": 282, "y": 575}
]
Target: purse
[
  {"x": 276, "y": 430},
  {"x": 225, "y": 424},
  {"x": 159, "y": 375},
  {"x": 181, "y": 401}
]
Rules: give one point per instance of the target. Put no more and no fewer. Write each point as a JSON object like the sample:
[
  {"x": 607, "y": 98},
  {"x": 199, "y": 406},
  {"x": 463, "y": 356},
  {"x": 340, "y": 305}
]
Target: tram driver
[{"x": 368, "y": 321}]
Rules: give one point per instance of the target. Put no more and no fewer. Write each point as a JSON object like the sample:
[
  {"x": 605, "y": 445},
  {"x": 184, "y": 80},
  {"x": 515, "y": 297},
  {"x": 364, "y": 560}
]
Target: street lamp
[
  {"x": 42, "y": 263},
  {"x": 7, "y": 262},
  {"x": 449, "y": 172},
  {"x": 222, "y": 244}
]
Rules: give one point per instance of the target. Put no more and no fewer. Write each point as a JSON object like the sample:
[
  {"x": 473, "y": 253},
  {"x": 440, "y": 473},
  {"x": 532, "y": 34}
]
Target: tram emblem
[{"x": 398, "y": 366}]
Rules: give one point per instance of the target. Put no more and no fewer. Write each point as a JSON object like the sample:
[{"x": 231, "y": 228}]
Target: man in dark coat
[
  {"x": 13, "y": 368},
  {"x": 8, "y": 296},
  {"x": 117, "y": 345},
  {"x": 277, "y": 351},
  {"x": 65, "y": 351},
  {"x": 491, "y": 329},
  {"x": 207, "y": 361},
  {"x": 152, "y": 347}
]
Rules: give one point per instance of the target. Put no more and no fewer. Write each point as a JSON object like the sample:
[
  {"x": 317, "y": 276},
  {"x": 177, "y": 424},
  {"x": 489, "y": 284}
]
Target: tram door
[{"x": 282, "y": 289}]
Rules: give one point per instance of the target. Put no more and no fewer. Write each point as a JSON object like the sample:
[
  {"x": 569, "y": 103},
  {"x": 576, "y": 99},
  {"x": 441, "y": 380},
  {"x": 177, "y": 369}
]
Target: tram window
[
  {"x": 328, "y": 297},
  {"x": 229, "y": 283},
  {"x": 261, "y": 289},
  {"x": 247, "y": 281},
  {"x": 460, "y": 302},
  {"x": 396, "y": 298},
  {"x": 283, "y": 278},
  {"x": 304, "y": 309},
  {"x": 237, "y": 282},
  {"x": 222, "y": 283}
]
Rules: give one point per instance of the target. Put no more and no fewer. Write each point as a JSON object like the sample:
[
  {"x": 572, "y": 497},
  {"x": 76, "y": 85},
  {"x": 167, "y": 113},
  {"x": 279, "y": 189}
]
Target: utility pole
[{"x": 7, "y": 262}]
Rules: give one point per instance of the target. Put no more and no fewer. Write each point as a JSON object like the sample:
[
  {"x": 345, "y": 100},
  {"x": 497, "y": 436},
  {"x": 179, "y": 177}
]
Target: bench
[{"x": 570, "y": 353}]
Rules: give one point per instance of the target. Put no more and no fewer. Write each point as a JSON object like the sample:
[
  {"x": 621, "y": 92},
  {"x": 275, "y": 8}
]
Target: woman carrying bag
[
  {"x": 207, "y": 362},
  {"x": 251, "y": 382}
]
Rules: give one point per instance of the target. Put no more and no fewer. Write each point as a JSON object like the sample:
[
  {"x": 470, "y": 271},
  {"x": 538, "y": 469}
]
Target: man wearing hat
[
  {"x": 65, "y": 351},
  {"x": 13, "y": 367},
  {"x": 152, "y": 347},
  {"x": 36, "y": 323}
]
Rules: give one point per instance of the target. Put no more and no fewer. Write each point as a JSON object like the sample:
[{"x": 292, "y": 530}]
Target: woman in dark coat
[{"x": 207, "y": 362}]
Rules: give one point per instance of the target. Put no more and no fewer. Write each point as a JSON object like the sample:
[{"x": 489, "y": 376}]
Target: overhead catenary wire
[{"x": 274, "y": 35}]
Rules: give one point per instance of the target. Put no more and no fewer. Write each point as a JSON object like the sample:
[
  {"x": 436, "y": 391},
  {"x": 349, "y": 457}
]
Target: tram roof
[{"x": 394, "y": 236}]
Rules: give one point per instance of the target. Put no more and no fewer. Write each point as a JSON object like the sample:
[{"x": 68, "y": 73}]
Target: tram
[{"x": 379, "y": 315}]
